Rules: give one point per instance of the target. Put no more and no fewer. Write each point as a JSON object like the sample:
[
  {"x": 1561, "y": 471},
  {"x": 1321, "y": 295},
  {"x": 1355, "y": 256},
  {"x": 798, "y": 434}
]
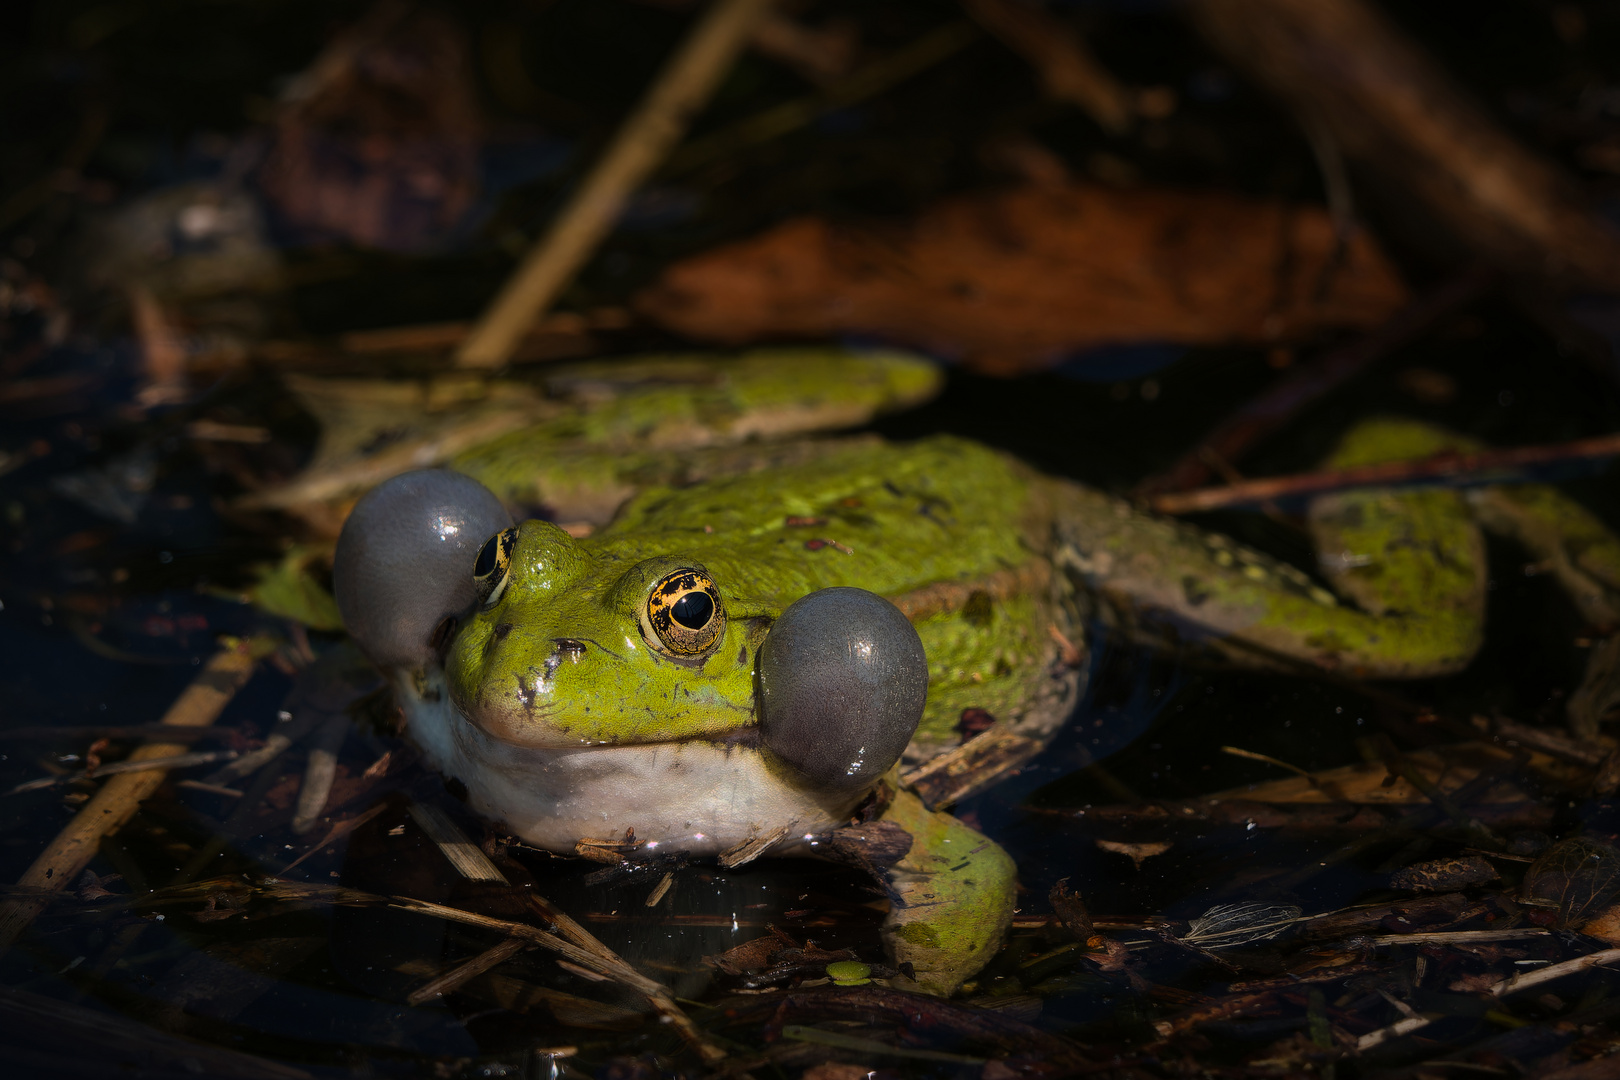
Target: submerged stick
[
  {"x": 61, "y": 863},
  {"x": 1502, "y": 989},
  {"x": 1525, "y": 980},
  {"x": 320, "y": 773},
  {"x": 133, "y": 765},
  {"x": 467, "y": 857},
  {"x": 1348, "y": 67},
  {"x": 1068, "y": 70},
  {"x": 167, "y": 732},
  {"x": 1474, "y": 467},
  {"x": 640, "y": 145},
  {"x": 867, "y": 82},
  {"x": 610, "y": 965},
  {"x": 461, "y": 973}
]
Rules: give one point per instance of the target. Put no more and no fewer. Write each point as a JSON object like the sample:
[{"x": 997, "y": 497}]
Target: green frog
[{"x": 749, "y": 647}]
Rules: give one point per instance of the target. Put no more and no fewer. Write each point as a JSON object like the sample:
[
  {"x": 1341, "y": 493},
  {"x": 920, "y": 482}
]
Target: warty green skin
[
  {"x": 563, "y": 667},
  {"x": 564, "y": 718}
]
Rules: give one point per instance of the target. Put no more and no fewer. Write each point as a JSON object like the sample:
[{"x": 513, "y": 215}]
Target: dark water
[{"x": 121, "y": 562}]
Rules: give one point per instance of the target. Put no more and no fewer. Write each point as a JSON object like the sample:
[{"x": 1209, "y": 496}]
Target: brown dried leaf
[
  {"x": 92, "y": 887},
  {"x": 752, "y": 955},
  {"x": 1137, "y": 853},
  {"x": 1230, "y": 925},
  {"x": 378, "y": 146},
  {"x": 1444, "y": 875},
  {"x": 1013, "y": 280},
  {"x": 873, "y": 846},
  {"x": 1110, "y": 955},
  {"x": 1070, "y": 909},
  {"x": 1578, "y": 876},
  {"x": 1605, "y": 926}
]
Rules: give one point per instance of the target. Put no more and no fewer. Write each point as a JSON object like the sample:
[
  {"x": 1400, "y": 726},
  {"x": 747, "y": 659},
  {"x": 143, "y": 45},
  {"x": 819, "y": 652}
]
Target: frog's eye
[
  {"x": 400, "y": 571},
  {"x": 684, "y": 613},
  {"x": 489, "y": 571},
  {"x": 842, "y": 683}
]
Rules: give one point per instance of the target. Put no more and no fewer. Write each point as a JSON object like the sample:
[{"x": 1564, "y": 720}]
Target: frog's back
[{"x": 950, "y": 530}]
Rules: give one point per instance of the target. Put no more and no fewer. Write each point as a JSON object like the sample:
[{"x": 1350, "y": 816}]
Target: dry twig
[
  {"x": 1512, "y": 985},
  {"x": 1474, "y": 467},
  {"x": 461, "y": 973},
  {"x": 640, "y": 145},
  {"x": 134, "y": 765},
  {"x": 1067, "y": 69},
  {"x": 1345, "y": 66},
  {"x": 61, "y": 863},
  {"x": 603, "y": 962},
  {"x": 1310, "y": 382}
]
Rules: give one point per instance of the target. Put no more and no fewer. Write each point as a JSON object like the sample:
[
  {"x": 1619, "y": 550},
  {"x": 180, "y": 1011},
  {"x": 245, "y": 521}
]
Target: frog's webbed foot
[
  {"x": 1412, "y": 561},
  {"x": 1573, "y": 546},
  {"x": 1563, "y": 538},
  {"x": 952, "y": 896}
]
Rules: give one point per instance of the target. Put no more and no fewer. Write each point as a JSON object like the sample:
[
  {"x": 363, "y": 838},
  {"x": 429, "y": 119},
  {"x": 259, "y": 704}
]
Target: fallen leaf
[
  {"x": 1014, "y": 280},
  {"x": 1070, "y": 909},
  {"x": 1135, "y": 852},
  {"x": 752, "y": 955},
  {"x": 832, "y": 1070},
  {"x": 1227, "y": 925},
  {"x": 379, "y": 147},
  {"x": 1477, "y": 983},
  {"x": 1578, "y": 876},
  {"x": 1444, "y": 875}
]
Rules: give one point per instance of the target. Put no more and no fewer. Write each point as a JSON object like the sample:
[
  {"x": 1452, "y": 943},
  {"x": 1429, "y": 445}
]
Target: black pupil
[
  {"x": 486, "y": 557},
  {"x": 693, "y": 610}
]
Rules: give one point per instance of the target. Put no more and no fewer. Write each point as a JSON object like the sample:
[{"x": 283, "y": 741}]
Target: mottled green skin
[
  {"x": 939, "y": 510},
  {"x": 893, "y": 520},
  {"x": 672, "y": 419},
  {"x": 997, "y": 567}
]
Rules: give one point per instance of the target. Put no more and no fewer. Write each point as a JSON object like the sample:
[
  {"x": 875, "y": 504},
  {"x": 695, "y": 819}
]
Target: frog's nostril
[
  {"x": 501, "y": 630},
  {"x": 842, "y": 682}
]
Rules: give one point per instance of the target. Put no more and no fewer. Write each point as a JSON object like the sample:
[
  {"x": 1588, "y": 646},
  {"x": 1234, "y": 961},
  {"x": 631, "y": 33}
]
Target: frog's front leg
[{"x": 953, "y": 896}]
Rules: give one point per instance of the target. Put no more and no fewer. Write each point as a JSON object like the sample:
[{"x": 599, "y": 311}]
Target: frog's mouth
[{"x": 839, "y": 687}]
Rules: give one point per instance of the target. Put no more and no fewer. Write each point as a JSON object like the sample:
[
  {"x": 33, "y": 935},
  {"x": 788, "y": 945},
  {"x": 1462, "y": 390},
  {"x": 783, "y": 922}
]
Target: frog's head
[{"x": 551, "y": 644}]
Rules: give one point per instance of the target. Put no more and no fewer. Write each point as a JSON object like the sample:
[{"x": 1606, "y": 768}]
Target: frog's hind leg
[
  {"x": 1579, "y": 551},
  {"x": 1564, "y": 538},
  {"x": 1412, "y": 563}
]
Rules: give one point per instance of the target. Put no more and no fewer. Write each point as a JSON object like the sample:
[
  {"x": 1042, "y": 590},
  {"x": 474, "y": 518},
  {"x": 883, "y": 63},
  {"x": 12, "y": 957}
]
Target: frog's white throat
[{"x": 701, "y": 797}]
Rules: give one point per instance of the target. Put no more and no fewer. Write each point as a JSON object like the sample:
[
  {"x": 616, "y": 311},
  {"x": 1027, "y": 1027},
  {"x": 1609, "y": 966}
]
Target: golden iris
[
  {"x": 684, "y": 613},
  {"x": 489, "y": 572}
]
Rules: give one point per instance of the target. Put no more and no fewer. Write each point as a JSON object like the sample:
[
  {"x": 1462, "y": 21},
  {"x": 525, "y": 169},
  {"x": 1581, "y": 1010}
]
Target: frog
[{"x": 771, "y": 648}]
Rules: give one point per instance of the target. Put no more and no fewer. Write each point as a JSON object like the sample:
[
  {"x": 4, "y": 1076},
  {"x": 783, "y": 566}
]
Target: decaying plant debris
[
  {"x": 1491, "y": 919},
  {"x": 1018, "y": 280},
  {"x": 266, "y": 882}
]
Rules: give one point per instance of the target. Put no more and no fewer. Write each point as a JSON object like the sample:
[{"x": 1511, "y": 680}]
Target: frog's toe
[
  {"x": 405, "y": 561},
  {"x": 842, "y": 679}
]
